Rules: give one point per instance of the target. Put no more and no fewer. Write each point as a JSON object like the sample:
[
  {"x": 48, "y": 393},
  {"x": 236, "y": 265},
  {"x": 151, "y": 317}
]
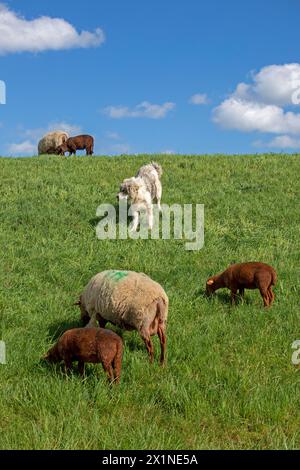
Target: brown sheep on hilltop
[{"x": 81, "y": 142}]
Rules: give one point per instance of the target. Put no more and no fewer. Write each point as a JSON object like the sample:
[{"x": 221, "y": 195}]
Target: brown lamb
[
  {"x": 92, "y": 345},
  {"x": 239, "y": 277},
  {"x": 81, "y": 142}
]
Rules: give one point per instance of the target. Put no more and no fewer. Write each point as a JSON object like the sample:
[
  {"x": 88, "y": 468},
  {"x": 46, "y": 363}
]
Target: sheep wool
[
  {"x": 52, "y": 140},
  {"x": 123, "y": 298}
]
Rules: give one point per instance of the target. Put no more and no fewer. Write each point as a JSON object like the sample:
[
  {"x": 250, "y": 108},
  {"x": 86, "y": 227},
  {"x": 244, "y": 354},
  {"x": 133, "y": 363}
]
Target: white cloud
[
  {"x": 250, "y": 116},
  {"x": 276, "y": 83},
  {"x": 280, "y": 142},
  {"x": 24, "y": 148},
  {"x": 168, "y": 152},
  {"x": 112, "y": 135},
  {"x": 71, "y": 129},
  {"x": 120, "y": 148},
  {"x": 18, "y": 34},
  {"x": 144, "y": 109},
  {"x": 35, "y": 134},
  {"x": 199, "y": 99},
  {"x": 38, "y": 133},
  {"x": 259, "y": 106}
]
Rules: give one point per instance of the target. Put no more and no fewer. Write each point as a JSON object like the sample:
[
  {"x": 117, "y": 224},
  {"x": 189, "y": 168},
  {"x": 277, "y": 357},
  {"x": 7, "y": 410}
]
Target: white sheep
[
  {"x": 49, "y": 143},
  {"x": 129, "y": 300}
]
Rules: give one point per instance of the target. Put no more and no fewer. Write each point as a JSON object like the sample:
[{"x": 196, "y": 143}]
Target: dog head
[{"x": 129, "y": 189}]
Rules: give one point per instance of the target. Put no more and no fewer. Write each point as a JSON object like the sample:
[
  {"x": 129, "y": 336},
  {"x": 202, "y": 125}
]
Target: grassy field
[{"x": 229, "y": 382}]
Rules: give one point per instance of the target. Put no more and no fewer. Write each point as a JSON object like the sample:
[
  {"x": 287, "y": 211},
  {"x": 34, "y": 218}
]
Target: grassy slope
[{"x": 229, "y": 381}]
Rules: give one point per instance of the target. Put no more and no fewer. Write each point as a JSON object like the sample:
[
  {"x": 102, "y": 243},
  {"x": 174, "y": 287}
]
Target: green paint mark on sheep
[{"x": 117, "y": 276}]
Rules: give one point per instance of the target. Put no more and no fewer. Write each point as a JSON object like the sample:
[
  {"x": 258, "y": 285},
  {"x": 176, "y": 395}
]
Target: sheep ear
[{"x": 210, "y": 282}]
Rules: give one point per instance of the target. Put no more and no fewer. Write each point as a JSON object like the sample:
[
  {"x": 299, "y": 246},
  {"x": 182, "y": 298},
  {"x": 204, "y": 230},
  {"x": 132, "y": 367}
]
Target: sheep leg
[
  {"x": 233, "y": 296},
  {"x": 81, "y": 368},
  {"x": 151, "y": 350},
  {"x": 265, "y": 296},
  {"x": 68, "y": 365},
  {"x": 162, "y": 339},
  {"x": 117, "y": 371},
  {"x": 149, "y": 346},
  {"x": 111, "y": 374},
  {"x": 102, "y": 322},
  {"x": 72, "y": 149},
  {"x": 271, "y": 296},
  {"x": 117, "y": 364},
  {"x": 92, "y": 323},
  {"x": 242, "y": 292},
  {"x": 109, "y": 371},
  {"x": 85, "y": 318}
]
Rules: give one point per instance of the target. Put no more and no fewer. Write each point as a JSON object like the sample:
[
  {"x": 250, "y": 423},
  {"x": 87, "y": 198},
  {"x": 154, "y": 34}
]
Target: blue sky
[{"x": 158, "y": 76}]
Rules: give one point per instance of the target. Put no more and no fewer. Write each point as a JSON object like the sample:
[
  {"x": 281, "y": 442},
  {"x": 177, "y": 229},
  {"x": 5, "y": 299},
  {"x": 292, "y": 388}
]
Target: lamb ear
[{"x": 210, "y": 282}]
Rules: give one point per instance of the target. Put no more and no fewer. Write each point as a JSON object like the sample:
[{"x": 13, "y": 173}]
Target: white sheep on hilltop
[
  {"x": 49, "y": 143},
  {"x": 129, "y": 300}
]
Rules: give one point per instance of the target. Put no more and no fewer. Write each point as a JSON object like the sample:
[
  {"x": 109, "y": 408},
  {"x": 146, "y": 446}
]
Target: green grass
[{"x": 229, "y": 382}]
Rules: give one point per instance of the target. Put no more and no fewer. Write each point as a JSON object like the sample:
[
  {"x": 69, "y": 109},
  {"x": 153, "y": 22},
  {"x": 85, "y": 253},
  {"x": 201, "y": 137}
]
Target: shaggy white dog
[{"x": 142, "y": 190}]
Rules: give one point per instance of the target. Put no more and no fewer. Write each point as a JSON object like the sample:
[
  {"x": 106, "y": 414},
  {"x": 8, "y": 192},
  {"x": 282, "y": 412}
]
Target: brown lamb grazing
[
  {"x": 239, "y": 277},
  {"x": 93, "y": 345},
  {"x": 81, "y": 142}
]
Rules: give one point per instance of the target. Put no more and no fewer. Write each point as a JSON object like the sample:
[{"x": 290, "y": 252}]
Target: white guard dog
[{"x": 142, "y": 190}]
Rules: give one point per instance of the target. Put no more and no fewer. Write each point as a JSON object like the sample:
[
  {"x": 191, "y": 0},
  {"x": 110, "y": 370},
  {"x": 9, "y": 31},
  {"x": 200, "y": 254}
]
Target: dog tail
[{"x": 158, "y": 168}]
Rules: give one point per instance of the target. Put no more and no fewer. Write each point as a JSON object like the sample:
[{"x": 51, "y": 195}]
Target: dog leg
[
  {"x": 159, "y": 195},
  {"x": 150, "y": 216},
  {"x": 134, "y": 224}
]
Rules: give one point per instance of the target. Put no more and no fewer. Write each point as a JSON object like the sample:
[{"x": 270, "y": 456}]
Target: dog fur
[{"x": 142, "y": 190}]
